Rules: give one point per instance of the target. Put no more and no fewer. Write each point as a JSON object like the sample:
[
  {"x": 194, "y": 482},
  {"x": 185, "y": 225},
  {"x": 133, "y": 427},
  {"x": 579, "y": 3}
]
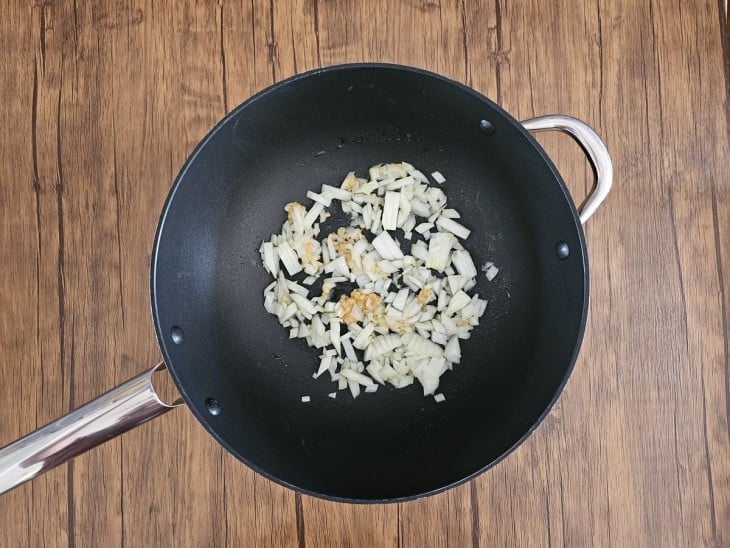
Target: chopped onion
[
  {"x": 490, "y": 271},
  {"x": 439, "y": 251},
  {"x": 349, "y": 350},
  {"x": 289, "y": 258},
  {"x": 338, "y": 266},
  {"x": 304, "y": 304},
  {"x": 409, "y": 224},
  {"x": 363, "y": 338},
  {"x": 335, "y": 335},
  {"x": 323, "y": 365},
  {"x": 387, "y": 247},
  {"x": 336, "y": 193},
  {"x": 359, "y": 378},
  {"x": 463, "y": 263},
  {"x": 457, "y": 302},
  {"x": 440, "y": 179},
  {"x": 409, "y": 311},
  {"x": 420, "y": 208},
  {"x": 420, "y": 251},
  {"x": 270, "y": 257},
  {"x": 456, "y": 282},
  {"x": 481, "y": 307},
  {"x": 452, "y": 352},
  {"x": 319, "y": 198},
  {"x": 375, "y": 172},
  {"x": 400, "y": 299},
  {"x": 287, "y": 313},
  {"x": 269, "y": 303},
  {"x": 439, "y": 338},
  {"x": 354, "y": 388},
  {"x": 313, "y": 214},
  {"x": 296, "y": 288},
  {"x": 424, "y": 227},
  {"x": 452, "y": 226},
  {"x": 387, "y": 267}
]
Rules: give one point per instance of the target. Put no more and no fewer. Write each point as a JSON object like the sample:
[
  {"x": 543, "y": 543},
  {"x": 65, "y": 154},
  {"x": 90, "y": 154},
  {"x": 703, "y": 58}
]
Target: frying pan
[{"x": 234, "y": 365}]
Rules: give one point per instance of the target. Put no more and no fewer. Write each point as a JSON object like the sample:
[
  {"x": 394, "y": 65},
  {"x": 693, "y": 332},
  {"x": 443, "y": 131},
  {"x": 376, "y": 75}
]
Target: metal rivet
[
  {"x": 563, "y": 250},
  {"x": 176, "y": 333},
  {"x": 214, "y": 408},
  {"x": 486, "y": 127}
]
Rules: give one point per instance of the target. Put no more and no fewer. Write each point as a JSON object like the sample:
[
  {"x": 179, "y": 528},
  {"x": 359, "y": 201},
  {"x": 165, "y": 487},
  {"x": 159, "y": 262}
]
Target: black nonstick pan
[{"x": 236, "y": 368}]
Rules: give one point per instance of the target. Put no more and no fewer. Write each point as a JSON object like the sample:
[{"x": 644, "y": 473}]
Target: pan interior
[{"x": 233, "y": 362}]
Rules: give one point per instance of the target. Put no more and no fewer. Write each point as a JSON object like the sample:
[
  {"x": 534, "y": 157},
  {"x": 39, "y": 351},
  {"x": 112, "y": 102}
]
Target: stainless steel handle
[
  {"x": 593, "y": 147},
  {"x": 126, "y": 406}
]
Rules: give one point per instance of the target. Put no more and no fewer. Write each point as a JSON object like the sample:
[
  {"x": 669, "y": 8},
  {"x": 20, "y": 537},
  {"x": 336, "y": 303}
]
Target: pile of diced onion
[{"x": 402, "y": 252}]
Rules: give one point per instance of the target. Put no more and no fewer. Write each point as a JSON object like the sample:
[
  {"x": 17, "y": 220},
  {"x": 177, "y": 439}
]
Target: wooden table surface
[{"x": 101, "y": 103}]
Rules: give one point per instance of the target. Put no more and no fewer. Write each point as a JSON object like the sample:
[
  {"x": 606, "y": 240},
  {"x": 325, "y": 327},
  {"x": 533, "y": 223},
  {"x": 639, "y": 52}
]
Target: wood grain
[{"x": 102, "y": 101}]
